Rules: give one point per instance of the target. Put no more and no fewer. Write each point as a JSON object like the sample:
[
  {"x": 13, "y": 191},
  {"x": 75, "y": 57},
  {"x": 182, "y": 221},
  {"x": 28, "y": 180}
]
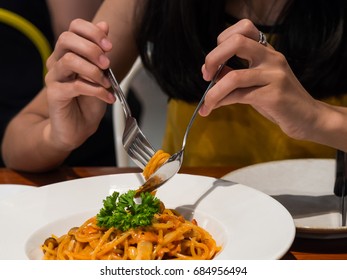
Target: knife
[{"x": 340, "y": 182}]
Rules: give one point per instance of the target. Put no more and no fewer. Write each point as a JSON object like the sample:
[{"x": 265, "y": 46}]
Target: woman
[{"x": 283, "y": 79}]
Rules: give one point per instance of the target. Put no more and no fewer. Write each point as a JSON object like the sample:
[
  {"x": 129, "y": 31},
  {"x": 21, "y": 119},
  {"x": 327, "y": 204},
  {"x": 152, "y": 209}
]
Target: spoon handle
[{"x": 212, "y": 83}]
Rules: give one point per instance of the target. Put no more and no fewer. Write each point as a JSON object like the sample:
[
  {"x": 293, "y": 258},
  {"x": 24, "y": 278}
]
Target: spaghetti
[
  {"x": 169, "y": 237},
  {"x": 157, "y": 160}
]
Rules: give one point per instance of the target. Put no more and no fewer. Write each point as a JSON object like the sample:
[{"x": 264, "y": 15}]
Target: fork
[
  {"x": 174, "y": 163},
  {"x": 134, "y": 141}
]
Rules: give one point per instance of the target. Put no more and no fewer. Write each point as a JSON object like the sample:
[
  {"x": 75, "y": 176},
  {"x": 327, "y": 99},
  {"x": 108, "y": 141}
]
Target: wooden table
[{"x": 301, "y": 249}]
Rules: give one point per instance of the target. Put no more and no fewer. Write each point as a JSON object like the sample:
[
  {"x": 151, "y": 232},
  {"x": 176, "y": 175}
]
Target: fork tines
[
  {"x": 140, "y": 151},
  {"x": 136, "y": 144}
]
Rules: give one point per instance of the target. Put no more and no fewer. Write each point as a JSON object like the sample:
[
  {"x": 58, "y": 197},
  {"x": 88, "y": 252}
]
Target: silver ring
[{"x": 262, "y": 38}]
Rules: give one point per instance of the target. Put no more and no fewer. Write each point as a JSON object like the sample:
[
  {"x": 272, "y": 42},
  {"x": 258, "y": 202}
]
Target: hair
[{"x": 174, "y": 37}]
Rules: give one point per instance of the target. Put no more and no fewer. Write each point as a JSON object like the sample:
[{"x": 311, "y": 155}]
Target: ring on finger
[{"x": 262, "y": 38}]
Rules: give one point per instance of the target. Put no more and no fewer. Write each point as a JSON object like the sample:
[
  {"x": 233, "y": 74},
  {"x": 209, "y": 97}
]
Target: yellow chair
[{"x": 29, "y": 30}]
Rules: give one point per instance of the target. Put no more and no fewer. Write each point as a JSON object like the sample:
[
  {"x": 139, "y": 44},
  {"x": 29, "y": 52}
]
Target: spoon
[{"x": 174, "y": 163}]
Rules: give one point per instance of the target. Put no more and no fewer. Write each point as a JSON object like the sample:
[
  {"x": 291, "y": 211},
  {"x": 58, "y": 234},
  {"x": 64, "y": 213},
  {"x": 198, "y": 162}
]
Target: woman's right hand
[{"x": 77, "y": 89}]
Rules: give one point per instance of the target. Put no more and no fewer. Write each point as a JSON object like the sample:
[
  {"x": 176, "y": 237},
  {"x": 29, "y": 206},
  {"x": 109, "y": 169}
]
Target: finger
[
  {"x": 247, "y": 96},
  {"x": 236, "y": 45},
  {"x": 94, "y": 33},
  {"x": 244, "y": 27},
  {"x": 94, "y": 90},
  {"x": 222, "y": 93},
  {"x": 80, "y": 87},
  {"x": 103, "y": 26},
  {"x": 87, "y": 40},
  {"x": 70, "y": 42},
  {"x": 72, "y": 65},
  {"x": 244, "y": 96}
]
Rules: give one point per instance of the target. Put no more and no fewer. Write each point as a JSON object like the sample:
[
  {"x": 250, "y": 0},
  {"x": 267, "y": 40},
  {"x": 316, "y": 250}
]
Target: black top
[{"x": 21, "y": 78}]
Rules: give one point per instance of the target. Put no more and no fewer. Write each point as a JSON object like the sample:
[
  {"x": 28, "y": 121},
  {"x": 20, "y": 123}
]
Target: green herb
[{"x": 123, "y": 213}]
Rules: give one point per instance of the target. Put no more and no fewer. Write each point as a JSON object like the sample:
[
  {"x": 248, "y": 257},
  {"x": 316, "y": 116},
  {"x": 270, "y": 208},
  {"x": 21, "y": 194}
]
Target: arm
[
  {"x": 270, "y": 86},
  {"x": 69, "y": 109},
  {"x": 64, "y": 11}
]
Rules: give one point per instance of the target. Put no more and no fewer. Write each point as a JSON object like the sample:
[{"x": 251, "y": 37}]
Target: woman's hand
[
  {"x": 77, "y": 89},
  {"x": 268, "y": 85},
  {"x": 70, "y": 107}
]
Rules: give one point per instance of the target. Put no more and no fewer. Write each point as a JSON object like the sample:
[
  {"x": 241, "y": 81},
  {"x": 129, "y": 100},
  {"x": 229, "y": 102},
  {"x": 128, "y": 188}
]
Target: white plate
[
  {"x": 305, "y": 187},
  {"x": 245, "y": 222},
  {"x": 7, "y": 190}
]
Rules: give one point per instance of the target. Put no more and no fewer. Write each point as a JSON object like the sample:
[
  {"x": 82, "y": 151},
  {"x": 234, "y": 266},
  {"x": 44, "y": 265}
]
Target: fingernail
[
  {"x": 204, "y": 73},
  {"x": 106, "y": 44},
  {"x": 203, "y": 111},
  {"x": 111, "y": 98},
  {"x": 104, "y": 61},
  {"x": 206, "y": 77}
]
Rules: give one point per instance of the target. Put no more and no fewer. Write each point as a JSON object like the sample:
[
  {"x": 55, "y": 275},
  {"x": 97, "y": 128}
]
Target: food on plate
[{"x": 125, "y": 229}]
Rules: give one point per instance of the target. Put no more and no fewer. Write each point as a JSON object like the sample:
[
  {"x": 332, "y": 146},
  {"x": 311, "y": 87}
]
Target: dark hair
[{"x": 313, "y": 37}]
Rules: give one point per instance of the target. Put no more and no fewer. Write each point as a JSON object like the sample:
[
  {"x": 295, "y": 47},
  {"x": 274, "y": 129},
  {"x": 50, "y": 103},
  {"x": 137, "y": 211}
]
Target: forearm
[
  {"x": 64, "y": 11},
  {"x": 26, "y": 145}
]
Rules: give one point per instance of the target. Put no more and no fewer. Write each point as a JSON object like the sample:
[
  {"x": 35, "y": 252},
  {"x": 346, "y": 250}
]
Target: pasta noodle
[
  {"x": 169, "y": 237},
  {"x": 157, "y": 160}
]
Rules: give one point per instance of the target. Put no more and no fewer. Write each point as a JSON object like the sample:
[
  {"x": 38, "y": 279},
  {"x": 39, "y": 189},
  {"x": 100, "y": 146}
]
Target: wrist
[
  {"x": 329, "y": 127},
  {"x": 53, "y": 144}
]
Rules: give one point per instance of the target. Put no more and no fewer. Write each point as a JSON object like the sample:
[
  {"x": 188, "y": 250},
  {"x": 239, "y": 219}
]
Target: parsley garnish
[{"x": 123, "y": 213}]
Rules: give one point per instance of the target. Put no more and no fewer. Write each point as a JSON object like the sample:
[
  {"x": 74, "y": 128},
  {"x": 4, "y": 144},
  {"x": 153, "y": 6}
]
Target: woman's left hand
[{"x": 268, "y": 84}]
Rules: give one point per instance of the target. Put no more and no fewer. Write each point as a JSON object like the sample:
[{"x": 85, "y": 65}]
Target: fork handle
[{"x": 118, "y": 92}]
